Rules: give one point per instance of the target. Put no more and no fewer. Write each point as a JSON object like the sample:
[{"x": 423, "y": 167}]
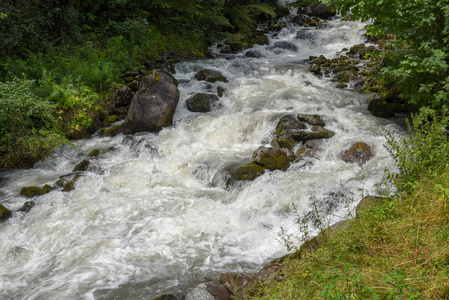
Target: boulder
[
  {"x": 322, "y": 11},
  {"x": 70, "y": 186},
  {"x": 237, "y": 283},
  {"x": 284, "y": 45},
  {"x": 311, "y": 119},
  {"x": 249, "y": 172},
  {"x": 202, "y": 102},
  {"x": 359, "y": 153},
  {"x": 208, "y": 291},
  {"x": 153, "y": 105},
  {"x": 5, "y": 213},
  {"x": 254, "y": 54},
  {"x": 27, "y": 206},
  {"x": 113, "y": 131},
  {"x": 288, "y": 125},
  {"x": 31, "y": 191},
  {"x": 210, "y": 75},
  {"x": 380, "y": 108},
  {"x": 122, "y": 96},
  {"x": 271, "y": 158},
  {"x": 82, "y": 166},
  {"x": 284, "y": 142}
]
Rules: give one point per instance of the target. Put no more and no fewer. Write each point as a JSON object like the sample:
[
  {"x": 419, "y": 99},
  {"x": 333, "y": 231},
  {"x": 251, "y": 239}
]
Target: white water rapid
[{"x": 154, "y": 216}]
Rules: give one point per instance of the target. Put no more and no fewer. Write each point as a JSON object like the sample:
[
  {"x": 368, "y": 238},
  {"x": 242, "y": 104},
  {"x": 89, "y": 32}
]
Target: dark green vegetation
[
  {"x": 418, "y": 30},
  {"x": 59, "y": 59}
]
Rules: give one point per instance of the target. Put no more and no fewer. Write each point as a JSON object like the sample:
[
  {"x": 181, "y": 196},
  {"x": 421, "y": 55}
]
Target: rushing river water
[{"x": 154, "y": 215}]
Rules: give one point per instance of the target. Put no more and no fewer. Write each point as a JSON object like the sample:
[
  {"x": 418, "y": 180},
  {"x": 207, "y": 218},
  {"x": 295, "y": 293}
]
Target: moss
[
  {"x": 113, "y": 131},
  {"x": 31, "y": 191},
  {"x": 5, "y": 213},
  {"x": 249, "y": 172},
  {"x": 94, "y": 153}
]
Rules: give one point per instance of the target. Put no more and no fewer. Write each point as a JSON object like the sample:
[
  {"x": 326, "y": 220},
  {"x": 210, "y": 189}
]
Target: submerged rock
[
  {"x": 5, "y": 213},
  {"x": 27, "y": 206},
  {"x": 318, "y": 132},
  {"x": 31, "y": 191},
  {"x": 70, "y": 186},
  {"x": 210, "y": 75},
  {"x": 94, "y": 153},
  {"x": 271, "y": 158},
  {"x": 209, "y": 291},
  {"x": 202, "y": 102},
  {"x": 82, "y": 166},
  {"x": 359, "y": 153},
  {"x": 153, "y": 105},
  {"x": 284, "y": 45}
]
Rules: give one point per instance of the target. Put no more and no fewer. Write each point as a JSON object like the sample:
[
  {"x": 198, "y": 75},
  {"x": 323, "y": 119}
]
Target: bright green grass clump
[{"x": 398, "y": 248}]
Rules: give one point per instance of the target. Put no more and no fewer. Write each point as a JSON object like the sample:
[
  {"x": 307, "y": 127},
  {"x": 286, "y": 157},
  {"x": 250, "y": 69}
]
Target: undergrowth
[{"x": 397, "y": 247}]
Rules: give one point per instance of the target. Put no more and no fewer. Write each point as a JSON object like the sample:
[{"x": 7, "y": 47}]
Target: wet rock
[
  {"x": 359, "y": 153},
  {"x": 70, "y": 186},
  {"x": 209, "y": 291},
  {"x": 290, "y": 155},
  {"x": 303, "y": 152},
  {"x": 305, "y": 35},
  {"x": 27, "y": 206},
  {"x": 113, "y": 131},
  {"x": 288, "y": 125},
  {"x": 380, "y": 108},
  {"x": 271, "y": 158},
  {"x": 167, "y": 297},
  {"x": 121, "y": 96},
  {"x": 210, "y": 75},
  {"x": 249, "y": 172},
  {"x": 311, "y": 119},
  {"x": 301, "y": 20},
  {"x": 237, "y": 283},
  {"x": 5, "y": 213},
  {"x": 31, "y": 191},
  {"x": 47, "y": 189},
  {"x": 284, "y": 45},
  {"x": 220, "y": 91},
  {"x": 153, "y": 105},
  {"x": 254, "y": 54},
  {"x": 315, "y": 69},
  {"x": 365, "y": 204},
  {"x": 94, "y": 153},
  {"x": 202, "y": 102},
  {"x": 322, "y": 11},
  {"x": 312, "y": 144},
  {"x": 82, "y": 166},
  {"x": 317, "y": 133},
  {"x": 283, "y": 142}
]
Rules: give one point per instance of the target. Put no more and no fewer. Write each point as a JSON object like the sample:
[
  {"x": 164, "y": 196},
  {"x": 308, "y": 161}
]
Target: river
[{"x": 153, "y": 214}]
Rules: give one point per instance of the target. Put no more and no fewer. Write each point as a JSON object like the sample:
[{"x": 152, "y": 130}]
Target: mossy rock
[
  {"x": 271, "y": 158},
  {"x": 94, "y": 153},
  {"x": 70, "y": 186},
  {"x": 82, "y": 166},
  {"x": 202, "y": 102},
  {"x": 321, "y": 133},
  {"x": 249, "y": 172},
  {"x": 31, "y": 191},
  {"x": 284, "y": 142},
  {"x": 210, "y": 75},
  {"x": 359, "y": 153},
  {"x": 288, "y": 125},
  {"x": 380, "y": 108},
  {"x": 5, "y": 213},
  {"x": 311, "y": 119},
  {"x": 47, "y": 189},
  {"x": 27, "y": 206},
  {"x": 113, "y": 131},
  {"x": 220, "y": 91}
]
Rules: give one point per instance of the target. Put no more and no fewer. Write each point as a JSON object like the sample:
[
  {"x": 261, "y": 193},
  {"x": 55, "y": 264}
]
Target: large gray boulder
[
  {"x": 271, "y": 158},
  {"x": 153, "y": 105}
]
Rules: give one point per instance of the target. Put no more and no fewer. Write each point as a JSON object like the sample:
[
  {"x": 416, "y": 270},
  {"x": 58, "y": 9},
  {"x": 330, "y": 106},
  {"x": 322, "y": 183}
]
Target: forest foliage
[{"x": 64, "y": 56}]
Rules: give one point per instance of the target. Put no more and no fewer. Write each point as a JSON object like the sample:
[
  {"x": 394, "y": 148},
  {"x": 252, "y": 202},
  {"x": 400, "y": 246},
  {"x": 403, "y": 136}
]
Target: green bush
[{"x": 28, "y": 129}]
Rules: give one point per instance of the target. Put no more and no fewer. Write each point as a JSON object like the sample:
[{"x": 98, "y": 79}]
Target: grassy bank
[{"x": 397, "y": 247}]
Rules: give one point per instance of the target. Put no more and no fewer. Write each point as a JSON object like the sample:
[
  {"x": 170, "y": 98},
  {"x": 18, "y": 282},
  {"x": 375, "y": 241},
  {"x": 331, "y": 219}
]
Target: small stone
[
  {"x": 82, "y": 166},
  {"x": 27, "y": 206},
  {"x": 94, "y": 153},
  {"x": 5, "y": 213},
  {"x": 31, "y": 191}
]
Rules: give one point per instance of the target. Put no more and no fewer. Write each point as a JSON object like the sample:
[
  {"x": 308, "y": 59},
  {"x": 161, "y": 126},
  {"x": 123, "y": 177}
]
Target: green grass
[{"x": 398, "y": 248}]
